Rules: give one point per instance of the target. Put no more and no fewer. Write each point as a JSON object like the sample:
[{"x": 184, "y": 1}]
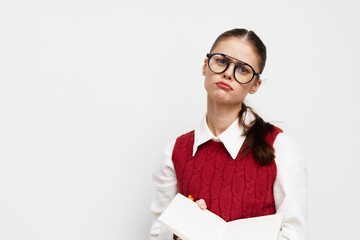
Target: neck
[{"x": 220, "y": 116}]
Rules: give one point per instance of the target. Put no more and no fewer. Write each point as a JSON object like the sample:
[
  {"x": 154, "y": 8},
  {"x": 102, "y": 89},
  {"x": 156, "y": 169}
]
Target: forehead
[{"x": 239, "y": 49}]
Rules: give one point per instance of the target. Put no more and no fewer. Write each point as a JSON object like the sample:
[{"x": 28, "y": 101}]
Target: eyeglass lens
[{"x": 219, "y": 63}]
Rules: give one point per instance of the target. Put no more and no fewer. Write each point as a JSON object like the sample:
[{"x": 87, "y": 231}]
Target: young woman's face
[{"x": 222, "y": 87}]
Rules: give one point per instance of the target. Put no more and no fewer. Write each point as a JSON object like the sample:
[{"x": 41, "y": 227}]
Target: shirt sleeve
[
  {"x": 290, "y": 188},
  {"x": 164, "y": 178}
]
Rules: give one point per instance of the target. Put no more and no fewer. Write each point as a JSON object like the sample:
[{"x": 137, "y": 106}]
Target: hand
[{"x": 201, "y": 203}]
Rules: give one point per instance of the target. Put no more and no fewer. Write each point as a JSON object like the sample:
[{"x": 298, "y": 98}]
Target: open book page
[
  {"x": 184, "y": 218},
  {"x": 257, "y": 228}
]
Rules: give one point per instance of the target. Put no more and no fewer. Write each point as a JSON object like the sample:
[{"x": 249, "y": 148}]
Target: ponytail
[{"x": 256, "y": 133}]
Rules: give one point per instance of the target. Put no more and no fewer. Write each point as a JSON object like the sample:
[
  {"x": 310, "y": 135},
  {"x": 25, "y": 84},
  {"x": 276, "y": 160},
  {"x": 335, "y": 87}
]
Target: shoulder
[
  {"x": 276, "y": 129},
  {"x": 171, "y": 145},
  {"x": 288, "y": 155},
  {"x": 284, "y": 142},
  {"x": 273, "y": 132},
  {"x": 187, "y": 135}
]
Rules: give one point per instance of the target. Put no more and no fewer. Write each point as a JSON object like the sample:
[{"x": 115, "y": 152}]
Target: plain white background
[{"x": 91, "y": 92}]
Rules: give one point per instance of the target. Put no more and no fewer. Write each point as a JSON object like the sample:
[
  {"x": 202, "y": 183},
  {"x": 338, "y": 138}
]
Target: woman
[{"x": 234, "y": 164}]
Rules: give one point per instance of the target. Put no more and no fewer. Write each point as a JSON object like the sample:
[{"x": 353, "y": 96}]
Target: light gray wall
[{"x": 92, "y": 91}]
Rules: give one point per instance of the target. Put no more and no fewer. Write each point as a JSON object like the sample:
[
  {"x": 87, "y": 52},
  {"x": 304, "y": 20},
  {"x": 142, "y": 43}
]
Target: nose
[{"x": 228, "y": 74}]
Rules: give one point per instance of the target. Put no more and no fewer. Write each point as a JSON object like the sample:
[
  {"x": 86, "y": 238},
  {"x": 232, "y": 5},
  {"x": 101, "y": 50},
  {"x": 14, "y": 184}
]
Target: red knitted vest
[{"x": 232, "y": 189}]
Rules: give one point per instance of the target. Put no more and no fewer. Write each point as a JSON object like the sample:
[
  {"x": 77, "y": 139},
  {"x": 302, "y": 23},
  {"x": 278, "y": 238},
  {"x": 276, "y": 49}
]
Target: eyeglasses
[{"x": 243, "y": 72}]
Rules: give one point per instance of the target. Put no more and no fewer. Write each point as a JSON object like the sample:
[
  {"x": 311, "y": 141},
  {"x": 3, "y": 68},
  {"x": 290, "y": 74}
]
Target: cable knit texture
[{"x": 232, "y": 189}]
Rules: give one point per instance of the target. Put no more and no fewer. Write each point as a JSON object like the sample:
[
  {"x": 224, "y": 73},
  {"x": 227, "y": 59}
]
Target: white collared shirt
[
  {"x": 289, "y": 186},
  {"x": 232, "y": 137}
]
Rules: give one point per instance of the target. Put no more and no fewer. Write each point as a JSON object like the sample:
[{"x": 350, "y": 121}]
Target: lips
[{"x": 224, "y": 86}]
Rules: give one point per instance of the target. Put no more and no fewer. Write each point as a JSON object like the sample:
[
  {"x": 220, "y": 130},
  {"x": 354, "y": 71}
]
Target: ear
[
  {"x": 204, "y": 67},
  {"x": 255, "y": 87}
]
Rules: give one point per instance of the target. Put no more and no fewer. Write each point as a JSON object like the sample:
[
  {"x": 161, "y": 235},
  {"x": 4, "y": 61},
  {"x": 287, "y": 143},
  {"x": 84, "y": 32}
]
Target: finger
[{"x": 201, "y": 203}]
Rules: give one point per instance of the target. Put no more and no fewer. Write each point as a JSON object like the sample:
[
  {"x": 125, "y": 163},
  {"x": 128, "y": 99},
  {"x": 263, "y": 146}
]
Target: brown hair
[{"x": 257, "y": 130}]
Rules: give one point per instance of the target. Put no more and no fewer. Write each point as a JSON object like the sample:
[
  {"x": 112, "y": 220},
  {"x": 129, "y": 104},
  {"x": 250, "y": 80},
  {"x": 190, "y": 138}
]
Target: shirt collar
[{"x": 232, "y": 137}]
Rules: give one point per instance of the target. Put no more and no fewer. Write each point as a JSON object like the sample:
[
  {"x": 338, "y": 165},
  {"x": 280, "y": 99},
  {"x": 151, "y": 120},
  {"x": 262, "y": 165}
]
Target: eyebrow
[
  {"x": 237, "y": 60},
  {"x": 242, "y": 62}
]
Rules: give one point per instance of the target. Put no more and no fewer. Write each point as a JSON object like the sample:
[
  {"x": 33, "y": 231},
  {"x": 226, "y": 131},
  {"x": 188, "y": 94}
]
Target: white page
[
  {"x": 184, "y": 218},
  {"x": 257, "y": 228}
]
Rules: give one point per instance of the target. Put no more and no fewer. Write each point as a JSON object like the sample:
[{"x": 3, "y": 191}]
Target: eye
[
  {"x": 220, "y": 61},
  {"x": 243, "y": 69}
]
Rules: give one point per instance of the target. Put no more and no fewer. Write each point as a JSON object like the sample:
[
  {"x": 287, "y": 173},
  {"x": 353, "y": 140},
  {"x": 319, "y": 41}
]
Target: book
[{"x": 189, "y": 222}]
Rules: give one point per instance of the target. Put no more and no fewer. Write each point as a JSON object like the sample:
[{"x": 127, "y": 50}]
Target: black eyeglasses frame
[{"x": 209, "y": 55}]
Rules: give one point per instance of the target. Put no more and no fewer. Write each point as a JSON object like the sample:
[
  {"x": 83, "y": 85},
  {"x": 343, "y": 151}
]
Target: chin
[{"x": 222, "y": 98}]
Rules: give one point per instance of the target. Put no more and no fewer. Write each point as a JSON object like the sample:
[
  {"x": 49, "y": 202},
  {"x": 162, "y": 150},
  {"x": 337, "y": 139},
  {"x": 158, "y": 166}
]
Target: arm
[
  {"x": 165, "y": 182},
  {"x": 290, "y": 188}
]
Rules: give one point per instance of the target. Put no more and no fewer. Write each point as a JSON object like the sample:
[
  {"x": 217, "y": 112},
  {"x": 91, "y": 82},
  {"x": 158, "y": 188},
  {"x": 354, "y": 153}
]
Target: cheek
[
  {"x": 209, "y": 80},
  {"x": 207, "y": 84},
  {"x": 242, "y": 91},
  {"x": 246, "y": 87}
]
